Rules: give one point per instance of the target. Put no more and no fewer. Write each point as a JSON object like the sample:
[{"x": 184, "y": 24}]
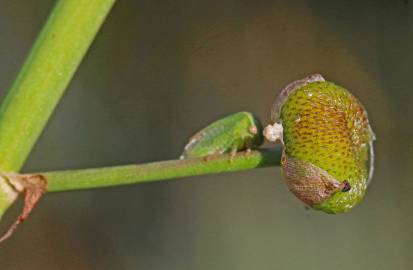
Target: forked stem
[{"x": 54, "y": 58}]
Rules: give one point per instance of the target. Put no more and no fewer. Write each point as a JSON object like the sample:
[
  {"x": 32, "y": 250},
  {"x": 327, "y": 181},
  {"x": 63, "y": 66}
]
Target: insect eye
[
  {"x": 253, "y": 129},
  {"x": 346, "y": 187}
]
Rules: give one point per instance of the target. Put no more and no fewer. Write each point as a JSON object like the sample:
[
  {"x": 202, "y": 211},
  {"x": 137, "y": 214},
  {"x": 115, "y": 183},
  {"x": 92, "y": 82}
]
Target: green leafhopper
[{"x": 236, "y": 132}]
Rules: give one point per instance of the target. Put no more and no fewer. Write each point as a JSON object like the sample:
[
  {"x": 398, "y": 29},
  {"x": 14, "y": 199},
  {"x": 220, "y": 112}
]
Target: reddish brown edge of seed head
[{"x": 289, "y": 89}]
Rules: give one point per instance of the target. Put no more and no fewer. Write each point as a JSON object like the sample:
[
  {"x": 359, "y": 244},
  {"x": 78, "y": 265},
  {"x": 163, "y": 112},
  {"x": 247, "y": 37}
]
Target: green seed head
[{"x": 328, "y": 140}]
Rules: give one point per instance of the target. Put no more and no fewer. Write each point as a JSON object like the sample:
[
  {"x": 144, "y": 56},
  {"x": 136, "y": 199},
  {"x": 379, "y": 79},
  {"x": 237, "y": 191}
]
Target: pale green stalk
[
  {"x": 158, "y": 171},
  {"x": 53, "y": 60},
  {"x": 55, "y": 56}
]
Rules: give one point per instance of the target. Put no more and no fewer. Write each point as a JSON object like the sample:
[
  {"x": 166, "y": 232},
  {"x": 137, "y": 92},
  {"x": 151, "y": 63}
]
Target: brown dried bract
[
  {"x": 32, "y": 186},
  {"x": 309, "y": 183}
]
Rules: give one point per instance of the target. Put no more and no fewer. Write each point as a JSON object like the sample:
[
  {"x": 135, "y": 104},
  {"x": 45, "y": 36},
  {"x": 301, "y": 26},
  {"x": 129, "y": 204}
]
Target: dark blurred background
[{"x": 160, "y": 70}]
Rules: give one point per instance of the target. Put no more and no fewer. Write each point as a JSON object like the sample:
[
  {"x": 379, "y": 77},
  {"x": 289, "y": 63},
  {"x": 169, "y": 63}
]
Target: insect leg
[
  {"x": 233, "y": 152},
  {"x": 248, "y": 146}
]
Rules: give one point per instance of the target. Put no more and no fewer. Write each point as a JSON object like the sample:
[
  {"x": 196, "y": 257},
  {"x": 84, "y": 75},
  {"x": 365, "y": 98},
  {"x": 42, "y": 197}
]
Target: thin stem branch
[
  {"x": 158, "y": 171},
  {"x": 54, "y": 58}
]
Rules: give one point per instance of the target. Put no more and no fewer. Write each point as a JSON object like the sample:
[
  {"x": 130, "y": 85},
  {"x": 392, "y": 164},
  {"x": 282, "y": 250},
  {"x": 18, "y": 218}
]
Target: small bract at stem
[{"x": 52, "y": 62}]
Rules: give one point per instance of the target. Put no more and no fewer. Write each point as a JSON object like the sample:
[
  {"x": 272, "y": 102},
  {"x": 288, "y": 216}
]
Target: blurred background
[{"x": 161, "y": 70}]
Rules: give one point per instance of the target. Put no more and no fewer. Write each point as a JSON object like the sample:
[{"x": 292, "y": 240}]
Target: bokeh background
[{"x": 160, "y": 70}]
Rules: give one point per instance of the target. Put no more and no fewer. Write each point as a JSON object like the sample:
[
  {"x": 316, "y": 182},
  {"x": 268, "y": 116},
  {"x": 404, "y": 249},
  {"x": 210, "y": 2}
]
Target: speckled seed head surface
[{"x": 327, "y": 130}]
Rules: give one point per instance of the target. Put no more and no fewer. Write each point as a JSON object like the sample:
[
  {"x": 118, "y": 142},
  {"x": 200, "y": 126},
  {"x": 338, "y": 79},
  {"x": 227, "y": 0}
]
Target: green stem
[
  {"x": 54, "y": 58},
  {"x": 158, "y": 171}
]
